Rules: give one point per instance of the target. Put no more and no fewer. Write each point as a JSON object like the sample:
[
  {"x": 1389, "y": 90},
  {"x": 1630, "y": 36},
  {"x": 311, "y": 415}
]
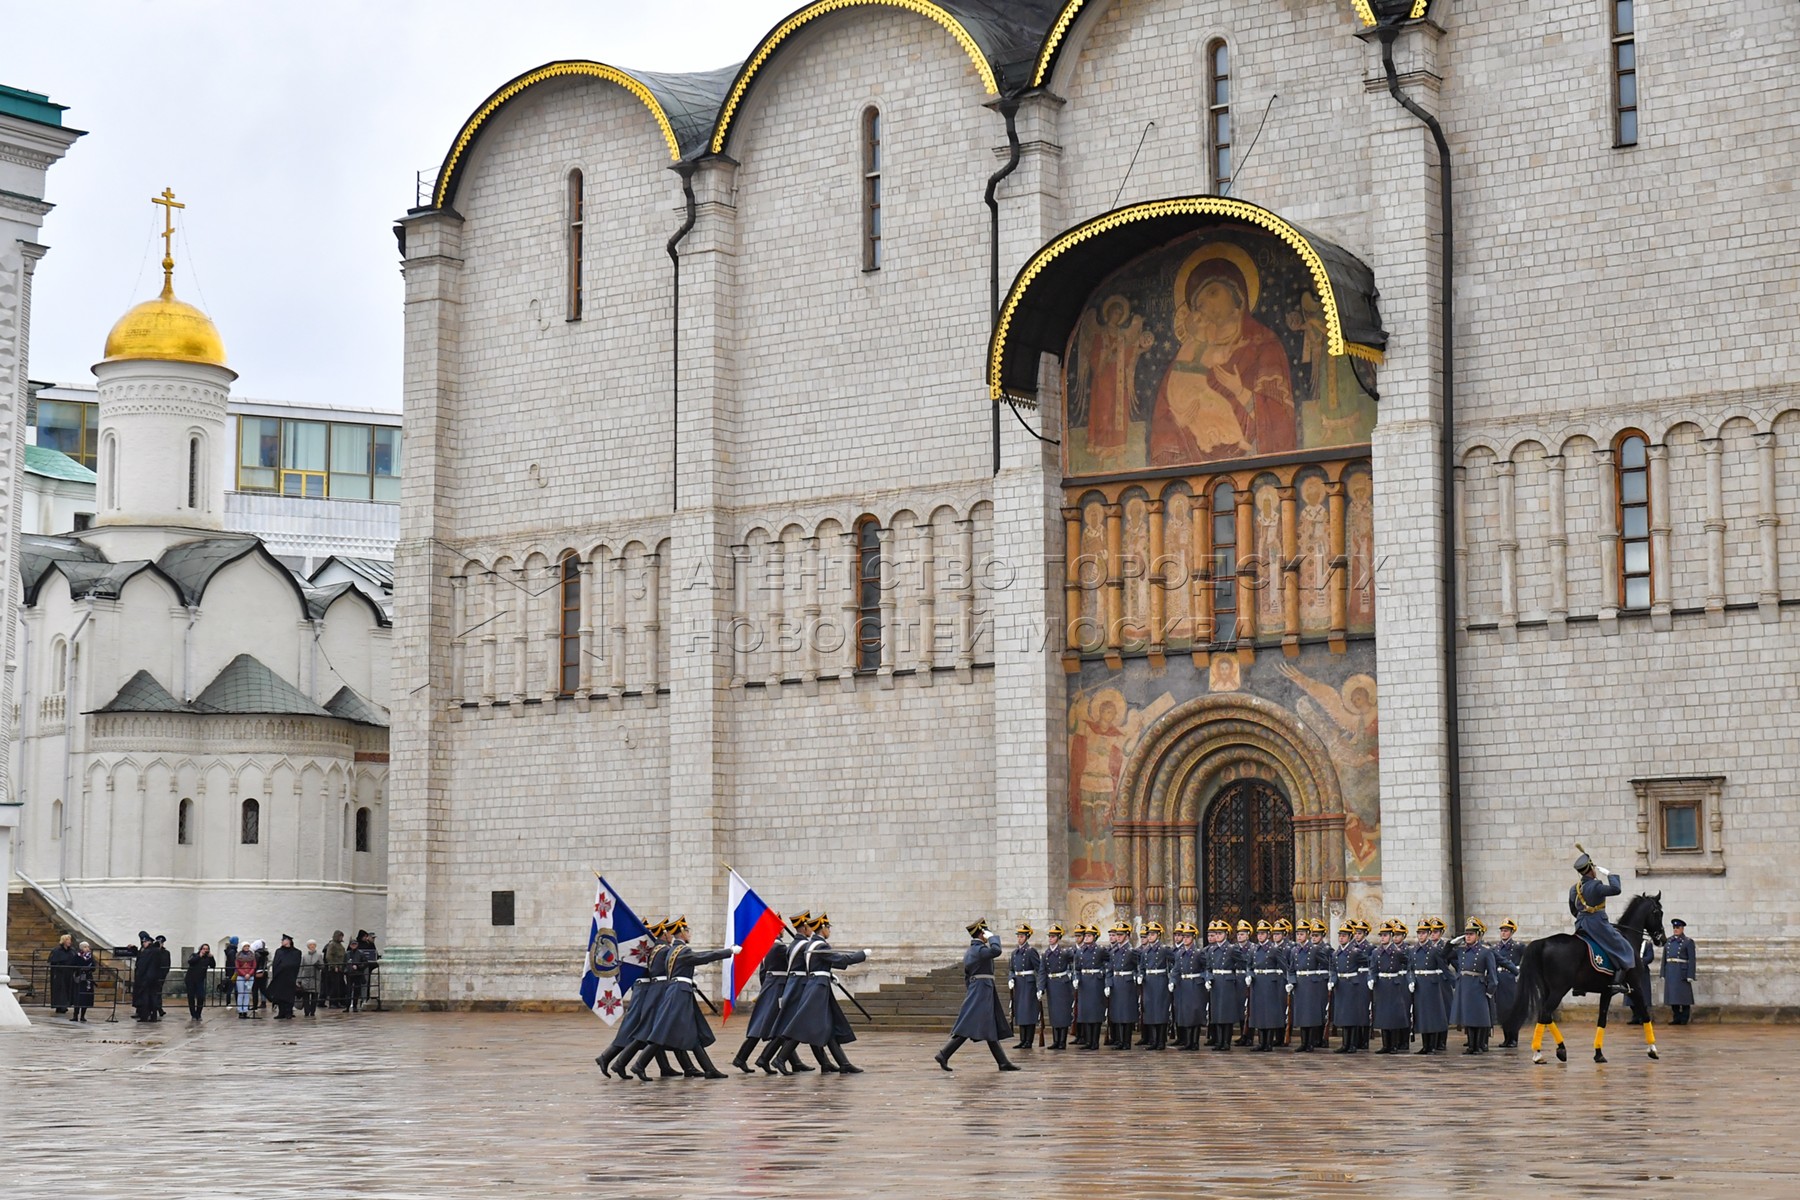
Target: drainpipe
[
  {"x": 71, "y": 709},
  {"x": 685, "y": 169},
  {"x": 1387, "y": 32},
  {"x": 1009, "y": 108},
  {"x": 187, "y": 654}
]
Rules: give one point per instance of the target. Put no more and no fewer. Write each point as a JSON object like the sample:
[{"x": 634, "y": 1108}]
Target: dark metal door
[{"x": 1248, "y": 837}]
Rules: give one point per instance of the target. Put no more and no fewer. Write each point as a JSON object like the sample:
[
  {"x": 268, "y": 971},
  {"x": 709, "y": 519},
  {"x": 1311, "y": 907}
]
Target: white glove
[
  {"x": 1171, "y": 985},
  {"x": 736, "y": 950},
  {"x": 1109, "y": 989},
  {"x": 866, "y": 953},
  {"x": 1040, "y": 997},
  {"x": 1209, "y": 985},
  {"x": 1330, "y": 983},
  {"x": 1290, "y": 989},
  {"x": 1371, "y": 985},
  {"x": 1009, "y": 985}
]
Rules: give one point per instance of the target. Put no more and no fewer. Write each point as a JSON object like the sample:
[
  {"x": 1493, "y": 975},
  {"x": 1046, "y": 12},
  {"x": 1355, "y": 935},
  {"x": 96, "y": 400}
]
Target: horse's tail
[{"x": 1528, "y": 999}]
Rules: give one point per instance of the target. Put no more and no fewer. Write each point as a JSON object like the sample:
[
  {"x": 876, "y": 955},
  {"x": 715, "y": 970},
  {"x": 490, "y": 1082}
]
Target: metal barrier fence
[
  {"x": 350, "y": 988},
  {"x": 42, "y": 983}
]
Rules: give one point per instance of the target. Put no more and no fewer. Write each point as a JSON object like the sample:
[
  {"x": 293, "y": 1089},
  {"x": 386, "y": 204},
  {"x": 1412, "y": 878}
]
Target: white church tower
[{"x": 163, "y": 388}]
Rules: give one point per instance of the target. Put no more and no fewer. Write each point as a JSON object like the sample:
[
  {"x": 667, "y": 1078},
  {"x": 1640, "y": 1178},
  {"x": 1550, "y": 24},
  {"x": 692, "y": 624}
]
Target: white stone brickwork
[{"x": 719, "y": 715}]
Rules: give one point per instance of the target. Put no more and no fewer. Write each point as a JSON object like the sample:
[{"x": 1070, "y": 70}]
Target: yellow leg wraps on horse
[
  {"x": 1537, "y": 1038},
  {"x": 1556, "y": 1033},
  {"x": 1649, "y": 1033},
  {"x": 1599, "y": 1036}
]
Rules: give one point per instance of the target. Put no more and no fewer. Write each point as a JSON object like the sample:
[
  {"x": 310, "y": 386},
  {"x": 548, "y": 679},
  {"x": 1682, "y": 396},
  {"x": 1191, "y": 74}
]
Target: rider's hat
[{"x": 1583, "y": 863}]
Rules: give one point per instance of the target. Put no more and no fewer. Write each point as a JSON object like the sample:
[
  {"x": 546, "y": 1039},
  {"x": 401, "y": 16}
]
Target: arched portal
[
  {"x": 1208, "y": 750},
  {"x": 1248, "y": 866}
]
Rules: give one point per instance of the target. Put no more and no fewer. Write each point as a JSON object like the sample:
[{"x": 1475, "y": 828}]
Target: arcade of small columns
[{"x": 1141, "y": 571}]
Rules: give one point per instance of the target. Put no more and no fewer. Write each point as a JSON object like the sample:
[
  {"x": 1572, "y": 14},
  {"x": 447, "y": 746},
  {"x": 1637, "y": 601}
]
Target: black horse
[{"x": 1559, "y": 964}]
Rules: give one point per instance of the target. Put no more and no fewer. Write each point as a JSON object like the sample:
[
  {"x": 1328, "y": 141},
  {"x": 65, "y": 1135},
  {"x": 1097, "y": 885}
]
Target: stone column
[
  {"x": 619, "y": 629},
  {"x": 965, "y": 604},
  {"x": 1768, "y": 525},
  {"x": 1661, "y": 584},
  {"x": 490, "y": 654},
  {"x": 1250, "y": 579},
  {"x": 1287, "y": 571},
  {"x": 1030, "y": 850},
  {"x": 1606, "y": 486},
  {"x": 702, "y": 531},
  {"x": 1154, "y": 573},
  {"x": 522, "y": 603},
  {"x": 1405, "y": 240},
  {"x": 890, "y": 607},
  {"x": 1504, "y": 471},
  {"x": 1339, "y": 568},
  {"x": 927, "y": 551},
  {"x": 809, "y": 615},
  {"x": 741, "y": 625},
  {"x": 652, "y": 628},
  {"x": 1113, "y": 609},
  {"x": 419, "y": 852},
  {"x": 589, "y": 581},
  {"x": 852, "y": 610},
  {"x": 774, "y": 581},
  {"x": 459, "y": 642},
  {"x": 550, "y": 614},
  {"x": 1714, "y": 448},
  {"x": 1559, "y": 548}
]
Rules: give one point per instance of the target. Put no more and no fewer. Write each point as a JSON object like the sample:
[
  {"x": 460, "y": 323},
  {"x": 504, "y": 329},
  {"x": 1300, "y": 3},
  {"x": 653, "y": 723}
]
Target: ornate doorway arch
[
  {"x": 1194, "y": 753},
  {"x": 1247, "y": 853}
]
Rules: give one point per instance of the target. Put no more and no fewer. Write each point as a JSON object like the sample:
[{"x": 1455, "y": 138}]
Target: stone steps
[{"x": 32, "y": 931}]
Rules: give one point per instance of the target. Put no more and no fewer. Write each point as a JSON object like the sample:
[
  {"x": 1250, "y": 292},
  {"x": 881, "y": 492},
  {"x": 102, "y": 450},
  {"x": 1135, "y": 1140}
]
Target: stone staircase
[
  {"x": 924, "y": 1003},
  {"x": 32, "y": 930}
]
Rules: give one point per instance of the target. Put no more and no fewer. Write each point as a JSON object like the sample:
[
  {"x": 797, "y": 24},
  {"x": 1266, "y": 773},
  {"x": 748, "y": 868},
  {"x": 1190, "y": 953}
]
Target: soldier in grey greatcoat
[
  {"x": 1312, "y": 968},
  {"x": 1022, "y": 986},
  {"x": 1509, "y": 956},
  {"x": 983, "y": 1018},
  {"x": 1271, "y": 982},
  {"x": 1431, "y": 1015},
  {"x": 1156, "y": 962},
  {"x": 1678, "y": 966},
  {"x": 1350, "y": 985},
  {"x": 1056, "y": 986},
  {"x": 1391, "y": 1010},
  {"x": 1224, "y": 984},
  {"x": 1476, "y": 978},
  {"x": 1587, "y": 904},
  {"x": 1092, "y": 962},
  {"x": 1121, "y": 987},
  {"x": 1188, "y": 997}
]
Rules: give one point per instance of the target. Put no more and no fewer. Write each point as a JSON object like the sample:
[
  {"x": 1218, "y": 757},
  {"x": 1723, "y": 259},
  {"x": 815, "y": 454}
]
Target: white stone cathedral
[
  {"x": 1122, "y": 548},
  {"x": 201, "y": 745}
]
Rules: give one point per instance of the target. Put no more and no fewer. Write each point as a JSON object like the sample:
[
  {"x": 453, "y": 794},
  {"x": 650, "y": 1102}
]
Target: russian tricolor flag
[{"x": 754, "y": 926}]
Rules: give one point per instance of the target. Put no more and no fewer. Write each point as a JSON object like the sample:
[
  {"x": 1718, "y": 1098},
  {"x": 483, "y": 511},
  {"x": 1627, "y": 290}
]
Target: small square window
[
  {"x": 502, "y": 908},
  {"x": 1681, "y": 827}
]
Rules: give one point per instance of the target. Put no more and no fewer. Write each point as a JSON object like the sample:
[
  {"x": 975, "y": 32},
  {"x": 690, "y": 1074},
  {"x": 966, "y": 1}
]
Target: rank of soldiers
[{"x": 1263, "y": 986}]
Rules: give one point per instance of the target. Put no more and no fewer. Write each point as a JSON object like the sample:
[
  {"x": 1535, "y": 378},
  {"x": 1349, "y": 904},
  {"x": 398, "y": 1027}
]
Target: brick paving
[{"x": 399, "y": 1105}]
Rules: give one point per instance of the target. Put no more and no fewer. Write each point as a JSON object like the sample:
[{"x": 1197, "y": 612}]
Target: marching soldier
[
  {"x": 982, "y": 1018},
  {"x": 1155, "y": 978},
  {"x": 1022, "y": 985},
  {"x": 1509, "y": 955},
  {"x": 1121, "y": 987},
  {"x": 1312, "y": 968},
  {"x": 1270, "y": 985},
  {"x": 1476, "y": 978},
  {"x": 1350, "y": 986},
  {"x": 1188, "y": 996},
  {"x": 1092, "y": 962},
  {"x": 1056, "y": 987},
  {"x": 641, "y": 1012},
  {"x": 789, "y": 996},
  {"x": 1430, "y": 1013},
  {"x": 677, "y": 1024},
  {"x": 1392, "y": 968},
  {"x": 1224, "y": 985},
  {"x": 1240, "y": 1020},
  {"x": 771, "y": 977},
  {"x": 1679, "y": 961},
  {"x": 817, "y": 1020}
]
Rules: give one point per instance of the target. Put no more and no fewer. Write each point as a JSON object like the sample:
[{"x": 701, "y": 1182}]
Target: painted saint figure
[
  {"x": 1228, "y": 391},
  {"x": 1109, "y": 347}
]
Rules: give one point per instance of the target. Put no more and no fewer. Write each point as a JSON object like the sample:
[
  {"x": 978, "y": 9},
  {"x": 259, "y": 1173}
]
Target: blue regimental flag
[{"x": 617, "y": 951}]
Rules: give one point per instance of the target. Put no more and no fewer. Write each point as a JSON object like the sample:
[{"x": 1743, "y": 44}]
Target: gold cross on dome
[{"x": 169, "y": 205}]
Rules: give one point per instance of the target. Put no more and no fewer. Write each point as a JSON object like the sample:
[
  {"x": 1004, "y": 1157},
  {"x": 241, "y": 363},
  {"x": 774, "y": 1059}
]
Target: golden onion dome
[{"x": 167, "y": 330}]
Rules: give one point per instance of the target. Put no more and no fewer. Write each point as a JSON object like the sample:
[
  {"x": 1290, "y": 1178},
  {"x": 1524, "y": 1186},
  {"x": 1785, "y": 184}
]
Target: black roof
[{"x": 39, "y": 552}]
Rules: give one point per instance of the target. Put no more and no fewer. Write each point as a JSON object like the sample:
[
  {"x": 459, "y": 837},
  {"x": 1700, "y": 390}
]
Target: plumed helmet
[
  {"x": 976, "y": 927},
  {"x": 1025, "y": 928}
]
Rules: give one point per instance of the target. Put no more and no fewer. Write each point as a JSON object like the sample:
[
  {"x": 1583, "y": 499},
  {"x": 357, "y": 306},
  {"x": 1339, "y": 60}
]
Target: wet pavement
[{"x": 510, "y": 1105}]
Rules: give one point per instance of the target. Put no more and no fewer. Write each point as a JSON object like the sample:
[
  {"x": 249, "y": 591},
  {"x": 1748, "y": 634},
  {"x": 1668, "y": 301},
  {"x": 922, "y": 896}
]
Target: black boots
[
  {"x": 942, "y": 1057},
  {"x": 844, "y": 1066},
  {"x": 742, "y": 1061},
  {"x": 706, "y": 1065},
  {"x": 1000, "y": 1058},
  {"x": 1026, "y": 1035}
]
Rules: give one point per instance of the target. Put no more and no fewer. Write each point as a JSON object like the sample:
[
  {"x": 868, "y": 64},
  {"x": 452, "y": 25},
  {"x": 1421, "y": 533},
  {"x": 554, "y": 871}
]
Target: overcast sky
[{"x": 292, "y": 130}]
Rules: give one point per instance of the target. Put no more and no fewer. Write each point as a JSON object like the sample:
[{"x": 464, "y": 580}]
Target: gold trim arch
[{"x": 1181, "y": 763}]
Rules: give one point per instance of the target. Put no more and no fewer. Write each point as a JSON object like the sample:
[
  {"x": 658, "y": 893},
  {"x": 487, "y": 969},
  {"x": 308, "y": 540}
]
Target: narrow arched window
[
  {"x": 868, "y": 594},
  {"x": 569, "y": 631},
  {"x": 347, "y": 842},
  {"x": 577, "y": 203},
  {"x": 56, "y": 820},
  {"x": 59, "y": 666},
  {"x": 871, "y": 174},
  {"x": 1224, "y": 563},
  {"x": 193, "y": 472},
  {"x": 112, "y": 472},
  {"x": 363, "y": 817},
  {"x": 250, "y": 831},
  {"x": 184, "y": 829},
  {"x": 1624, "y": 73},
  {"x": 1218, "y": 115},
  {"x": 1632, "y": 466}
]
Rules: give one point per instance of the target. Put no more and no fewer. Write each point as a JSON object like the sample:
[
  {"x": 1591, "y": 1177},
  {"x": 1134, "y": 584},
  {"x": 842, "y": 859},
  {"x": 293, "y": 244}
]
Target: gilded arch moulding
[{"x": 1181, "y": 762}]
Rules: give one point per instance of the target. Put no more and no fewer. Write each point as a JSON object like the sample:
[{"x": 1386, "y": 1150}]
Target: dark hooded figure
[
  {"x": 983, "y": 1018},
  {"x": 163, "y": 965},
  {"x": 284, "y": 978},
  {"x": 200, "y": 964},
  {"x": 62, "y": 973}
]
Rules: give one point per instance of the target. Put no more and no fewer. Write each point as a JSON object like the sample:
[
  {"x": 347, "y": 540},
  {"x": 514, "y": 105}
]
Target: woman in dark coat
[
  {"x": 199, "y": 965},
  {"x": 983, "y": 1017},
  {"x": 62, "y": 973},
  {"x": 81, "y": 987},
  {"x": 677, "y": 1023},
  {"x": 284, "y": 978}
]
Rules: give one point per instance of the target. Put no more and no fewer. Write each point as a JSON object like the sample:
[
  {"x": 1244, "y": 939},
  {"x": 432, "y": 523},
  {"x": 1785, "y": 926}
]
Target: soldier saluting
[
  {"x": 982, "y": 1019},
  {"x": 1587, "y": 904}
]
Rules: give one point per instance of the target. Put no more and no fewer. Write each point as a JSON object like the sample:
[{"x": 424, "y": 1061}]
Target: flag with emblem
[{"x": 618, "y": 950}]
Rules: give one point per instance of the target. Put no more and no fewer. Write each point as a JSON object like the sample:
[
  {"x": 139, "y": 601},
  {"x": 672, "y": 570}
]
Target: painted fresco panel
[
  {"x": 1208, "y": 349},
  {"x": 1334, "y": 696}
]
